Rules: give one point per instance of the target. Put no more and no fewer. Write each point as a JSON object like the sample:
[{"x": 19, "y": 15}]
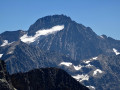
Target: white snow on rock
[
  {"x": 115, "y": 51},
  {"x": 89, "y": 65},
  {"x": 94, "y": 58},
  {"x": 29, "y": 39},
  {"x": 90, "y": 60},
  {"x": 1, "y": 55},
  {"x": 81, "y": 78},
  {"x": 66, "y": 63},
  {"x": 97, "y": 71},
  {"x": 91, "y": 87},
  {"x": 77, "y": 67},
  {"x": 86, "y": 62},
  {"x": 5, "y": 42}
]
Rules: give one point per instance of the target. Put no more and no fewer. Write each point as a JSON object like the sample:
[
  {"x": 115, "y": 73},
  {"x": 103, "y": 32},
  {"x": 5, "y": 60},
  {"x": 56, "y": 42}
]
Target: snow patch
[
  {"x": 89, "y": 65},
  {"x": 77, "y": 67},
  {"x": 91, "y": 87},
  {"x": 115, "y": 51},
  {"x": 66, "y": 63},
  {"x": 81, "y": 78},
  {"x": 29, "y": 39},
  {"x": 94, "y": 58},
  {"x": 86, "y": 62},
  {"x": 97, "y": 71},
  {"x": 1, "y": 55},
  {"x": 90, "y": 60},
  {"x": 5, "y": 42}
]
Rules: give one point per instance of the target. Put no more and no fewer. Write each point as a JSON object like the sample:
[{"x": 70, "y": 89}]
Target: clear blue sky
[{"x": 103, "y": 16}]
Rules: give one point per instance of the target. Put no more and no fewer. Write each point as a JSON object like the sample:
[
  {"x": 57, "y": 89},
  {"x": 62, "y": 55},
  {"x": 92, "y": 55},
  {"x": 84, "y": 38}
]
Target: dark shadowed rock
[
  {"x": 5, "y": 82},
  {"x": 46, "y": 79}
]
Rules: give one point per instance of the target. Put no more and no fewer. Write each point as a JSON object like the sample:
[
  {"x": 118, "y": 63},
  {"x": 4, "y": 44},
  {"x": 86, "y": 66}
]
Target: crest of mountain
[
  {"x": 12, "y": 36},
  {"x": 46, "y": 79}
]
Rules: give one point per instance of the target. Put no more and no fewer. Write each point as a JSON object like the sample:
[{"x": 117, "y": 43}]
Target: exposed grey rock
[{"x": 5, "y": 82}]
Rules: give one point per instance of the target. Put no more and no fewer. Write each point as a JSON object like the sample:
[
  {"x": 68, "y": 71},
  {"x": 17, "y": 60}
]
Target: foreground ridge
[{"x": 38, "y": 79}]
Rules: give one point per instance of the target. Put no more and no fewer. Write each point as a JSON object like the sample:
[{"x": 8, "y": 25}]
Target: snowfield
[{"x": 29, "y": 39}]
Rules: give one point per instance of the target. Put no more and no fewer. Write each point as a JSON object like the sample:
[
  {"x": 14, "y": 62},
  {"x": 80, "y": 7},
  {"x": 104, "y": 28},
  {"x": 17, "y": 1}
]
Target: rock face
[
  {"x": 75, "y": 40},
  {"x": 12, "y": 36},
  {"x": 5, "y": 82},
  {"x": 46, "y": 79},
  {"x": 21, "y": 57},
  {"x": 110, "y": 67},
  {"x": 97, "y": 72}
]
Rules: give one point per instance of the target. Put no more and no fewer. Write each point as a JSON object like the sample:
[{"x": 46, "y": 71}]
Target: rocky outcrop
[
  {"x": 5, "y": 82},
  {"x": 38, "y": 79},
  {"x": 46, "y": 79}
]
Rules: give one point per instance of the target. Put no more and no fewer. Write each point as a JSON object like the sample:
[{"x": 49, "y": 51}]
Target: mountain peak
[
  {"x": 56, "y": 16},
  {"x": 48, "y": 22}
]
